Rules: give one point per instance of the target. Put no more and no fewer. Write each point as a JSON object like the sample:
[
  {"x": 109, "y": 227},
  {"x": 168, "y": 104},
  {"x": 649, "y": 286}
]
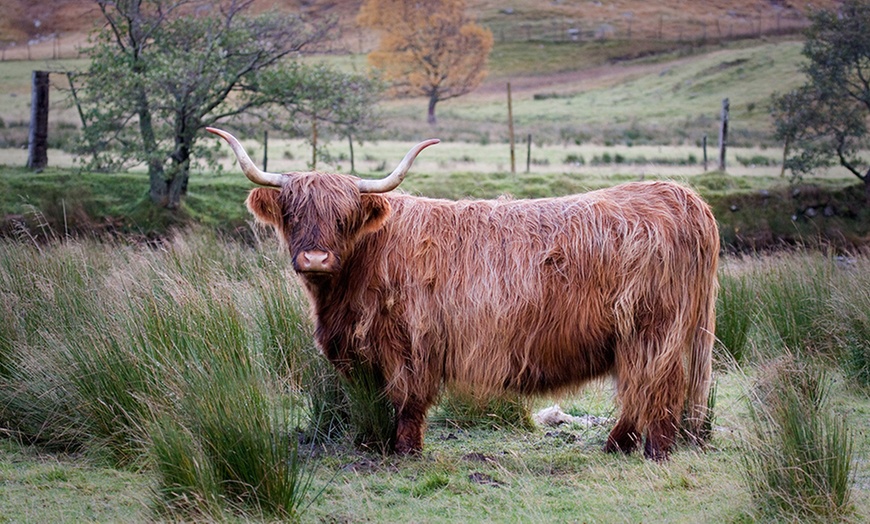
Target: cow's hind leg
[
  {"x": 651, "y": 389},
  {"x": 663, "y": 408},
  {"x": 624, "y": 437}
]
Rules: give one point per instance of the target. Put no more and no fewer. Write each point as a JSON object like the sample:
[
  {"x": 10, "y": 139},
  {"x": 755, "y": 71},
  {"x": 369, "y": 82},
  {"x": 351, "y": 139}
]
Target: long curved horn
[
  {"x": 251, "y": 171},
  {"x": 395, "y": 178}
]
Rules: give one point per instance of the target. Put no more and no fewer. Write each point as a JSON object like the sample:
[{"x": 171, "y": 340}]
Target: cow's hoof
[
  {"x": 623, "y": 439},
  {"x": 656, "y": 454},
  {"x": 404, "y": 448}
]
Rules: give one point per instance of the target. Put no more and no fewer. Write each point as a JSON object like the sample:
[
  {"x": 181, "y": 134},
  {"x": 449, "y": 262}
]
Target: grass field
[
  {"x": 158, "y": 366},
  {"x": 220, "y": 320}
]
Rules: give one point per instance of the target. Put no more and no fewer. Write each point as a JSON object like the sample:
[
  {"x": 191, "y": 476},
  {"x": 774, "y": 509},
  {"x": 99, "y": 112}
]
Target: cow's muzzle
[{"x": 315, "y": 261}]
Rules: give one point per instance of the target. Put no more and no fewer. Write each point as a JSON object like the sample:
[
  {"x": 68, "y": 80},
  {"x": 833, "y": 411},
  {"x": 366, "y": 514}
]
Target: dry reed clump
[
  {"x": 812, "y": 304},
  {"x": 796, "y": 318},
  {"x": 798, "y": 457},
  {"x": 157, "y": 355}
]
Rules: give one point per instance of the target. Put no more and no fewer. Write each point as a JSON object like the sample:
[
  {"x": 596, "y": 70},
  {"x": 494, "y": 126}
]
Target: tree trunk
[
  {"x": 159, "y": 192},
  {"x": 176, "y": 179},
  {"x": 167, "y": 192},
  {"x": 430, "y": 118},
  {"x": 866, "y": 180}
]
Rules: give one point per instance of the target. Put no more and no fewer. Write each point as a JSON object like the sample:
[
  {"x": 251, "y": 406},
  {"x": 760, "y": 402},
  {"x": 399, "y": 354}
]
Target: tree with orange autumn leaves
[{"x": 429, "y": 48}]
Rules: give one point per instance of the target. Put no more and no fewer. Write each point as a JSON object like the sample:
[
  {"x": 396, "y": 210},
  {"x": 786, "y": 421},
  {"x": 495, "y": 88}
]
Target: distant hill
[
  {"x": 29, "y": 20},
  {"x": 26, "y": 20}
]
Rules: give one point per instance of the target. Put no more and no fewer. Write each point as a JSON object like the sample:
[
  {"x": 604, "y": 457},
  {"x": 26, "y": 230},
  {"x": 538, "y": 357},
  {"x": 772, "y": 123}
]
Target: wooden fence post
[
  {"x": 511, "y": 129},
  {"x": 723, "y": 133},
  {"x": 266, "y": 150},
  {"x": 314, "y": 142},
  {"x": 37, "y": 144},
  {"x": 704, "y": 143},
  {"x": 528, "y": 153},
  {"x": 350, "y": 146}
]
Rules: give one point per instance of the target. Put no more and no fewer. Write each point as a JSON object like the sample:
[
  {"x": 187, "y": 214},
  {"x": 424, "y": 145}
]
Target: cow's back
[{"x": 534, "y": 294}]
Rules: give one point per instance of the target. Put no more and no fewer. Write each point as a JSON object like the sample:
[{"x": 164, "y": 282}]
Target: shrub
[
  {"x": 798, "y": 456},
  {"x": 755, "y": 160},
  {"x": 574, "y": 159}
]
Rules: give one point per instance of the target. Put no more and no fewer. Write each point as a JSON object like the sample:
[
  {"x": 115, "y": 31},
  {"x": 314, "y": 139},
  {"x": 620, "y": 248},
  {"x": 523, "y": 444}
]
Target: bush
[
  {"x": 756, "y": 160},
  {"x": 574, "y": 159},
  {"x": 150, "y": 356},
  {"x": 798, "y": 456}
]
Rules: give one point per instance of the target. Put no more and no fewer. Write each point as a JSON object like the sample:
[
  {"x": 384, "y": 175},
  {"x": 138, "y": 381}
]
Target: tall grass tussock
[
  {"x": 796, "y": 322},
  {"x": 159, "y": 357},
  {"x": 798, "y": 457},
  {"x": 192, "y": 361}
]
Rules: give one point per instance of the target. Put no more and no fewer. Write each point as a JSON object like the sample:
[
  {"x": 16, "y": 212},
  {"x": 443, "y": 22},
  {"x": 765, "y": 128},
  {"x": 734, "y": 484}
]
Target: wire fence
[
  {"x": 626, "y": 27},
  {"x": 661, "y": 28},
  {"x": 50, "y": 47}
]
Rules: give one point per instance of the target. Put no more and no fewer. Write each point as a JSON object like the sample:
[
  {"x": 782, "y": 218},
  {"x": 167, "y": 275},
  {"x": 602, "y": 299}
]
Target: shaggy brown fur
[{"x": 529, "y": 295}]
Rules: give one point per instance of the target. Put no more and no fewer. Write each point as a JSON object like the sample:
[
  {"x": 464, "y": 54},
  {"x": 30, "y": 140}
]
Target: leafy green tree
[
  {"x": 161, "y": 70},
  {"x": 824, "y": 122},
  {"x": 343, "y": 104}
]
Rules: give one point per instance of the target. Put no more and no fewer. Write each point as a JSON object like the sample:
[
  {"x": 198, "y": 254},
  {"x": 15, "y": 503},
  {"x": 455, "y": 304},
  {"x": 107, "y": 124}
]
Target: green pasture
[
  {"x": 160, "y": 366},
  {"x": 170, "y": 375},
  {"x": 577, "y": 93}
]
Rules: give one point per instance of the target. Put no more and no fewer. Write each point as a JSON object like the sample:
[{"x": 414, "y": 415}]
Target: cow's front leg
[{"x": 409, "y": 429}]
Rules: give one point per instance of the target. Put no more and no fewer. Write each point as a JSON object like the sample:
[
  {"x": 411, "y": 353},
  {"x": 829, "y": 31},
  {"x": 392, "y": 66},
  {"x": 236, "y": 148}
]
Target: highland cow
[{"x": 532, "y": 296}]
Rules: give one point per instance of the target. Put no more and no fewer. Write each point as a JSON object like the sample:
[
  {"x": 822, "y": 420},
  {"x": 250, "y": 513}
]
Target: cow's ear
[
  {"x": 376, "y": 209},
  {"x": 262, "y": 202}
]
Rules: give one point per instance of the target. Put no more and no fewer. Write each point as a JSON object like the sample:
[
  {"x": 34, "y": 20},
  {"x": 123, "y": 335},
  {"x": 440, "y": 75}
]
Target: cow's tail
[{"x": 697, "y": 419}]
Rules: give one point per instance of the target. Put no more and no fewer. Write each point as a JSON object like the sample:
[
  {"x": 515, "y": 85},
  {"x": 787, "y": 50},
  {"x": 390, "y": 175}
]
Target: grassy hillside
[
  {"x": 671, "y": 98},
  {"x": 26, "y": 20},
  {"x": 598, "y": 110}
]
